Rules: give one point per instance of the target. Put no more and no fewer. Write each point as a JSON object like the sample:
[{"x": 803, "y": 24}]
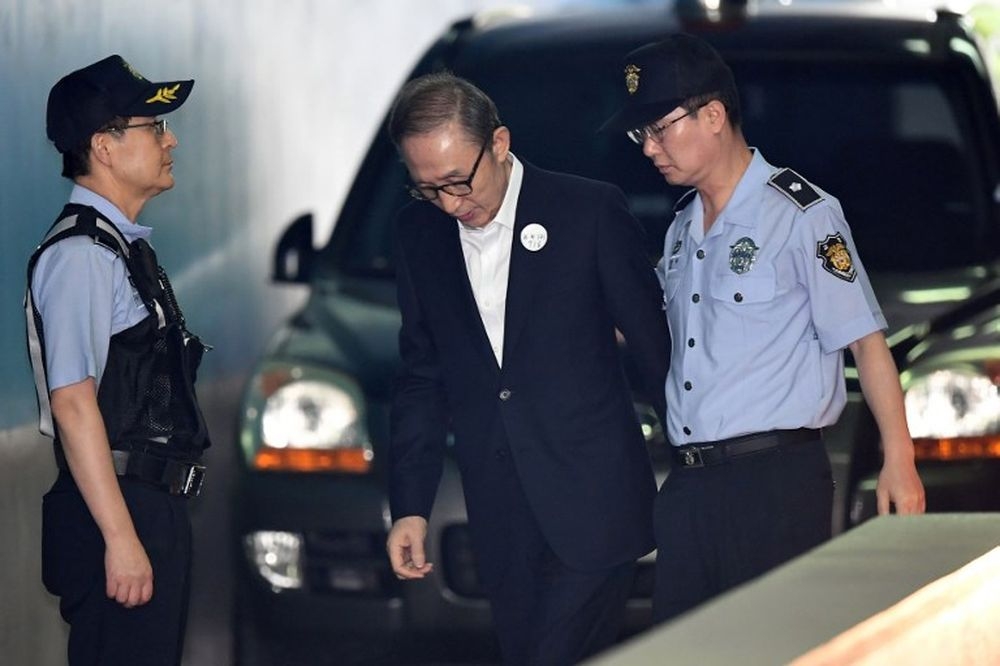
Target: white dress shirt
[{"x": 487, "y": 260}]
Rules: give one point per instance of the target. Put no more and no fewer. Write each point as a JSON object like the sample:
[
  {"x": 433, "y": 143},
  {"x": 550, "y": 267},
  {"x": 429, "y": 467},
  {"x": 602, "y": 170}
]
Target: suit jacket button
[
  {"x": 501, "y": 454},
  {"x": 505, "y": 394}
]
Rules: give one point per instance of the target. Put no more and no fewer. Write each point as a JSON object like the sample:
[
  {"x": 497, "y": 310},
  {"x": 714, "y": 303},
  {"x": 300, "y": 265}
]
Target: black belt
[
  {"x": 177, "y": 477},
  {"x": 713, "y": 453}
]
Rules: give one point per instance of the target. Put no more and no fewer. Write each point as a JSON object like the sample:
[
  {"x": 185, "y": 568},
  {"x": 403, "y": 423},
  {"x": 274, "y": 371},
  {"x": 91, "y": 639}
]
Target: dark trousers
[
  {"x": 545, "y": 613},
  {"x": 102, "y": 631},
  {"x": 719, "y": 526}
]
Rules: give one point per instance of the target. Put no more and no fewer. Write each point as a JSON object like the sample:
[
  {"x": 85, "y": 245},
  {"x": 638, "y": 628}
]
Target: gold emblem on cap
[
  {"x": 632, "y": 78},
  {"x": 165, "y": 95}
]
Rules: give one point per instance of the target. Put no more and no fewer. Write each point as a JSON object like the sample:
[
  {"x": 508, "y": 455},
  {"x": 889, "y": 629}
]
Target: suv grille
[{"x": 349, "y": 563}]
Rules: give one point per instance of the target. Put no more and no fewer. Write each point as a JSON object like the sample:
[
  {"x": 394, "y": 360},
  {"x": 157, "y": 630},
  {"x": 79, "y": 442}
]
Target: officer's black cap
[
  {"x": 86, "y": 100},
  {"x": 661, "y": 76}
]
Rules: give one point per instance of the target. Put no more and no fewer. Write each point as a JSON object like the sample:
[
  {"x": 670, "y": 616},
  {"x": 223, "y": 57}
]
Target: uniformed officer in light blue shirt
[
  {"x": 763, "y": 290},
  {"x": 114, "y": 364}
]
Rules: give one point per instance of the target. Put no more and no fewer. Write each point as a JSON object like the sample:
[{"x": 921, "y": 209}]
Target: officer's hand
[
  {"x": 129, "y": 573},
  {"x": 899, "y": 485},
  {"x": 406, "y": 548}
]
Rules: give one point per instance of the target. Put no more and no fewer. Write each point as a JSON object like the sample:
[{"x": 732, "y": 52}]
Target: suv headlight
[
  {"x": 302, "y": 418},
  {"x": 954, "y": 414},
  {"x": 276, "y": 557}
]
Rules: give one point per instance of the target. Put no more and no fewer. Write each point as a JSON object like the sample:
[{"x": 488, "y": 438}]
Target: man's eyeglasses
[
  {"x": 461, "y": 188},
  {"x": 655, "y": 131},
  {"x": 159, "y": 127}
]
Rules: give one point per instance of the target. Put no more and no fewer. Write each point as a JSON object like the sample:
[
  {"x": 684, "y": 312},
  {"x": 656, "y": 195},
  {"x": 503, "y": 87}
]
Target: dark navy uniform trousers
[
  {"x": 102, "y": 631},
  {"x": 722, "y": 525}
]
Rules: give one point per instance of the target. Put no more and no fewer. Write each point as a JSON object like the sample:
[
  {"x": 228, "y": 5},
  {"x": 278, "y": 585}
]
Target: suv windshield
[{"x": 890, "y": 140}]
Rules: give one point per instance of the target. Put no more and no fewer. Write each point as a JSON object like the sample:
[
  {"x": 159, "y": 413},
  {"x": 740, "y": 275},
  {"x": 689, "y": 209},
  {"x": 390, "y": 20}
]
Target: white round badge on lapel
[{"x": 533, "y": 237}]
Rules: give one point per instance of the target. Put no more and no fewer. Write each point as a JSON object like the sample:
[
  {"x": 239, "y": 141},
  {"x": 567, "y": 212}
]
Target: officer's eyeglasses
[
  {"x": 159, "y": 127},
  {"x": 655, "y": 131},
  {"x": 461, "y": 188}
]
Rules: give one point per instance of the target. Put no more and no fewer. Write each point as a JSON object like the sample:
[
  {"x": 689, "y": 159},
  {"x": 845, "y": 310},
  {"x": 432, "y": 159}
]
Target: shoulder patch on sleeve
[
  {"x": 685, "y": 199},
  {"x": 795, "y": 187},
  {"x": 832, "y": 251}
]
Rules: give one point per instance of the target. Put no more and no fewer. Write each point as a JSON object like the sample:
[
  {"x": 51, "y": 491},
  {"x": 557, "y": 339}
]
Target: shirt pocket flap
[{"x": 743, "y": 288}]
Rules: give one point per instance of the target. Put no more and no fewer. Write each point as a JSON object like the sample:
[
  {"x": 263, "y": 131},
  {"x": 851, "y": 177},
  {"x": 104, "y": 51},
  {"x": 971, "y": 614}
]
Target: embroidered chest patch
[
  {"x": 742, "y": 255},
  {"x": 836, "y": 258}
]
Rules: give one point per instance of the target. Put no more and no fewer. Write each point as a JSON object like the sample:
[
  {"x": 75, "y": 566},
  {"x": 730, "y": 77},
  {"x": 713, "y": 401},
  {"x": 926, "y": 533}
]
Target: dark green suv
[{"x": 896, "y": 116}]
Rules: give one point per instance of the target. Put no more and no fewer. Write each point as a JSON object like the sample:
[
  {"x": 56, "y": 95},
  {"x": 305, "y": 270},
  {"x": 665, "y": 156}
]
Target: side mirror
[{"x": 294, "y": 253}]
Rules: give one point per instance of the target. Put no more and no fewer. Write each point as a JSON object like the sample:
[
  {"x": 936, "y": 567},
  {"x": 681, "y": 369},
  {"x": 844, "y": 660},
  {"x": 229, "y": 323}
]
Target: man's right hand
[
  {"x": 406, "y": 548},
  {"x": 128, "y": 572}
]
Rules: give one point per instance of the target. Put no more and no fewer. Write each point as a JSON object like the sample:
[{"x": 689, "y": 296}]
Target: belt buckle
[
  {"x": 193, "y": 480},
  {"x": 692, "y": 457}
]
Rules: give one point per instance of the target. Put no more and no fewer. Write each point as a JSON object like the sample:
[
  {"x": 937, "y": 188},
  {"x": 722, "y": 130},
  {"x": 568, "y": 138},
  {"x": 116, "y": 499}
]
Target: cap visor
[
  {"x": 160, "y": 98},
  {"x": 632, "y": 117}
]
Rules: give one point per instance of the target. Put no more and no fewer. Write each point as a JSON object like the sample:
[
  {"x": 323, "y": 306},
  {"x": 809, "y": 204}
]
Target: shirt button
[
  {"x": 696, "y": 298},
  {"x": 688, "y": 386},
  {"x": 700, "y": 254},
  {"x": 738, "y": 297},
  {"x": 690, "y": 342},
  {"x": 505, "y": 394},
  {"x": 687, "y": 431}
]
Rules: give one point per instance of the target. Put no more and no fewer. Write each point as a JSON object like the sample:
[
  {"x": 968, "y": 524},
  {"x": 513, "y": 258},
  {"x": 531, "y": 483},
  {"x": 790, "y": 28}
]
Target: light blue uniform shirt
[
  {"x": 83, "y": 294},
  {"x": 760, "y": 309}
]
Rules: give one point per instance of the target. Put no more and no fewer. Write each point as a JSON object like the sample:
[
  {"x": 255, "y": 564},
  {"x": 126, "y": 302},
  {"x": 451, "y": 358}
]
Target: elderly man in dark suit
[{"x": 512, "y": 283}]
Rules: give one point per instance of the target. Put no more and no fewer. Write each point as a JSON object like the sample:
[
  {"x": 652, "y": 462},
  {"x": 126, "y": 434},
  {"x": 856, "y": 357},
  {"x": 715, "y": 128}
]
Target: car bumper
[{"x": 347, "y": 587}]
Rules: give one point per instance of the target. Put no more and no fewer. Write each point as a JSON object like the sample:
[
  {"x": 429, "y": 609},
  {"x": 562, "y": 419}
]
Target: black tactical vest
[{"x": 146, "y": 395}]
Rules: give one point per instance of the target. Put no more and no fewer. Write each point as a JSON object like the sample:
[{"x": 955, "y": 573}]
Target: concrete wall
[
  {"x": 31, "y": 631},
  {"x": 287, "y": 96},
  {"x": 896, "y": 591}
]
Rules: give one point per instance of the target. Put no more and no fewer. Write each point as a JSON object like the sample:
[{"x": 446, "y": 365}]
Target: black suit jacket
[{"x": 560, "y": 407}]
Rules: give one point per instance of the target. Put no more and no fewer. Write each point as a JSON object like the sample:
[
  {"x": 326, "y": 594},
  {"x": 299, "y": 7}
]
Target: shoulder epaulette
[
  {"x": 685, "y": 199},
  {"x": 796, "y": 188}
]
